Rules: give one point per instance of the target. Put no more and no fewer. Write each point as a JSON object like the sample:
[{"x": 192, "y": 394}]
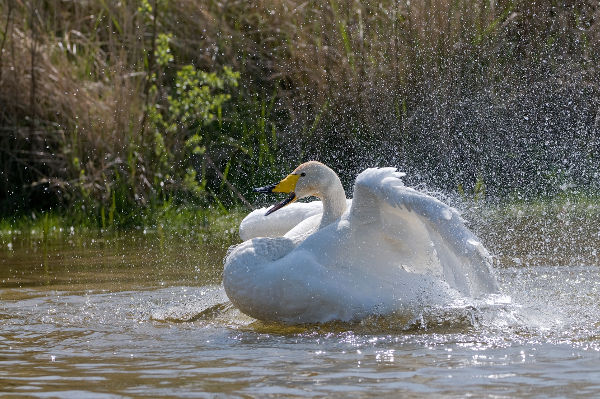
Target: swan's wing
[
  {"x": 256, "y": 224},
  {"x": 430, "y": 237}
]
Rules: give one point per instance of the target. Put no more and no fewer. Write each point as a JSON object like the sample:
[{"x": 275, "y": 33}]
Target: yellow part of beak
[{"x": 287, "y": 185}]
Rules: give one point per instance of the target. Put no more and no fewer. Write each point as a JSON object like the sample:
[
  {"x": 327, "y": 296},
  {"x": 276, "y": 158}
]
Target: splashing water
[{"x": 82, "y": 327}]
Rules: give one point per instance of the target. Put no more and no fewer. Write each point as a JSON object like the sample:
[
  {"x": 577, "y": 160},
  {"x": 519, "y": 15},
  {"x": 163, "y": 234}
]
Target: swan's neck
[{"x": 334, "y": 203}]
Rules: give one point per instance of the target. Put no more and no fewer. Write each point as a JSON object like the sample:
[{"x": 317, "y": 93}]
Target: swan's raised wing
[
  {"x": 428, "y": 236},
  {"x": 256, "y": 224}
]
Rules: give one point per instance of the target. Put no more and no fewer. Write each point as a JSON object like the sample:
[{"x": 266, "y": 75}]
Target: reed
[{"x": 454, "y": 91}]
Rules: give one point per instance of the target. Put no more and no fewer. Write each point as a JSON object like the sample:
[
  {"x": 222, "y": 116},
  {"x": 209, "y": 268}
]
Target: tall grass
[{"x": 455, "y": 91}]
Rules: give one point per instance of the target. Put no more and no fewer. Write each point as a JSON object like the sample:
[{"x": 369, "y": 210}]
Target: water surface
[{"x": 134, "y": 316}]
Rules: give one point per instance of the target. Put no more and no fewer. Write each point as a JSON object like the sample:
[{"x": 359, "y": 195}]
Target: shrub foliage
[{"x": 120, "y": 105}]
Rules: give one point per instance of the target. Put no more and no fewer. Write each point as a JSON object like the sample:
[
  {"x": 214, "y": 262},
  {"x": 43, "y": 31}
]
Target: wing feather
[{"x": 433, "y": 234}]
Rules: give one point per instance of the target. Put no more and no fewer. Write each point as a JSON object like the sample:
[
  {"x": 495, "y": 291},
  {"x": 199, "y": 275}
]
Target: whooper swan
[{"x": 389, "y": 249}]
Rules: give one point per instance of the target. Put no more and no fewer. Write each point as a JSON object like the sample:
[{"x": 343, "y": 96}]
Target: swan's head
[{"x": 309, "y": 179}]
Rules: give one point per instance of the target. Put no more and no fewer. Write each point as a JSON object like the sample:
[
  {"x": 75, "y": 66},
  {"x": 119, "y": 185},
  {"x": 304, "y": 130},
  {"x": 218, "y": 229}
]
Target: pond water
[{"x": 133, "y": 316}]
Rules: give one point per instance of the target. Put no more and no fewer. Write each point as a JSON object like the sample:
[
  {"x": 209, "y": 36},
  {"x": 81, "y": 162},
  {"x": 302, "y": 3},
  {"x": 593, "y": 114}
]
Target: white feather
[{"x": 392, "y": 249}]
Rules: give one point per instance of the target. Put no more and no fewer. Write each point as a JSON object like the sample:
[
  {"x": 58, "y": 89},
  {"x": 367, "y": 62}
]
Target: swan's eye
[{"x": 302, "y": 174}]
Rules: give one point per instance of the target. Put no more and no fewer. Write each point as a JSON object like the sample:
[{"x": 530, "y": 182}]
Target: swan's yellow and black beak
[{"x": 287, "y": 185}]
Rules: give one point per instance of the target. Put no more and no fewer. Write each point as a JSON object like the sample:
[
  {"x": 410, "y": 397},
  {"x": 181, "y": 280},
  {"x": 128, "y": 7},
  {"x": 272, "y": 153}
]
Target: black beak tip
[{"x": 265, "y": 189}]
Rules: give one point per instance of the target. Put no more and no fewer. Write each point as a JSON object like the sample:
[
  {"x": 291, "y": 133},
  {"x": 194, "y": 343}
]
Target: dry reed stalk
[{"x": 359, "y": 66}]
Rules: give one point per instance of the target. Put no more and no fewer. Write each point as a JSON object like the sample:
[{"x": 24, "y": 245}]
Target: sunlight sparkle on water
[{"x": 170, "y": 333}]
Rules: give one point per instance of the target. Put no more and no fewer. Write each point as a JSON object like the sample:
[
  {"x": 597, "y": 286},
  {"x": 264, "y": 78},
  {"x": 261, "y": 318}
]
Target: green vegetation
[
  {"x": 128, "y": 114},
  {"x": 165, "y": 223}
]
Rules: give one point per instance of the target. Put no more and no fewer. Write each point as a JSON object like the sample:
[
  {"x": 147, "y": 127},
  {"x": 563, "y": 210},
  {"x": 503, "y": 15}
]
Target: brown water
[{"x": 135, "y": 317}]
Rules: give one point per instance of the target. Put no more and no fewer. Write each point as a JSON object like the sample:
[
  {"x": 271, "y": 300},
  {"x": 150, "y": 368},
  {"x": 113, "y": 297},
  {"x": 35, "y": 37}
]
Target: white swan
[{"x": 388, "y": 249}]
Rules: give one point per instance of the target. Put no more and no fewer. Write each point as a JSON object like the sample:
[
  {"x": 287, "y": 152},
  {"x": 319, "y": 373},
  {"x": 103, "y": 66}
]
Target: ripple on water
[{"x": 176, "y": 340}]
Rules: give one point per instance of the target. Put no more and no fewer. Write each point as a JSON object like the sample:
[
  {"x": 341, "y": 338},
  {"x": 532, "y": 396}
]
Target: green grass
[{"x": 165, "y": 221}]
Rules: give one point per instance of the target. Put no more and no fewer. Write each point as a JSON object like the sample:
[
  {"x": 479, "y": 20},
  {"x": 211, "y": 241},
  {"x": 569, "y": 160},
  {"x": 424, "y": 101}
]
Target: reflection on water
[
  {"x": 128, "y": 317},
  {"x": 117, "y": 262}
]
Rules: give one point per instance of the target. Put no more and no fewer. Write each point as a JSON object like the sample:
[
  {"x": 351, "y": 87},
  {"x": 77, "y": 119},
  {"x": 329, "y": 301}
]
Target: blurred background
[{"x": 112, "y": 112}]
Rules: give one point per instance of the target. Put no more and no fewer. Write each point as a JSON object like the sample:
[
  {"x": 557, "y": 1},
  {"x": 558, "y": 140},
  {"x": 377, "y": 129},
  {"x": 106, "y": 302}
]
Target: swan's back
[{"x": 256, "y": 224}]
